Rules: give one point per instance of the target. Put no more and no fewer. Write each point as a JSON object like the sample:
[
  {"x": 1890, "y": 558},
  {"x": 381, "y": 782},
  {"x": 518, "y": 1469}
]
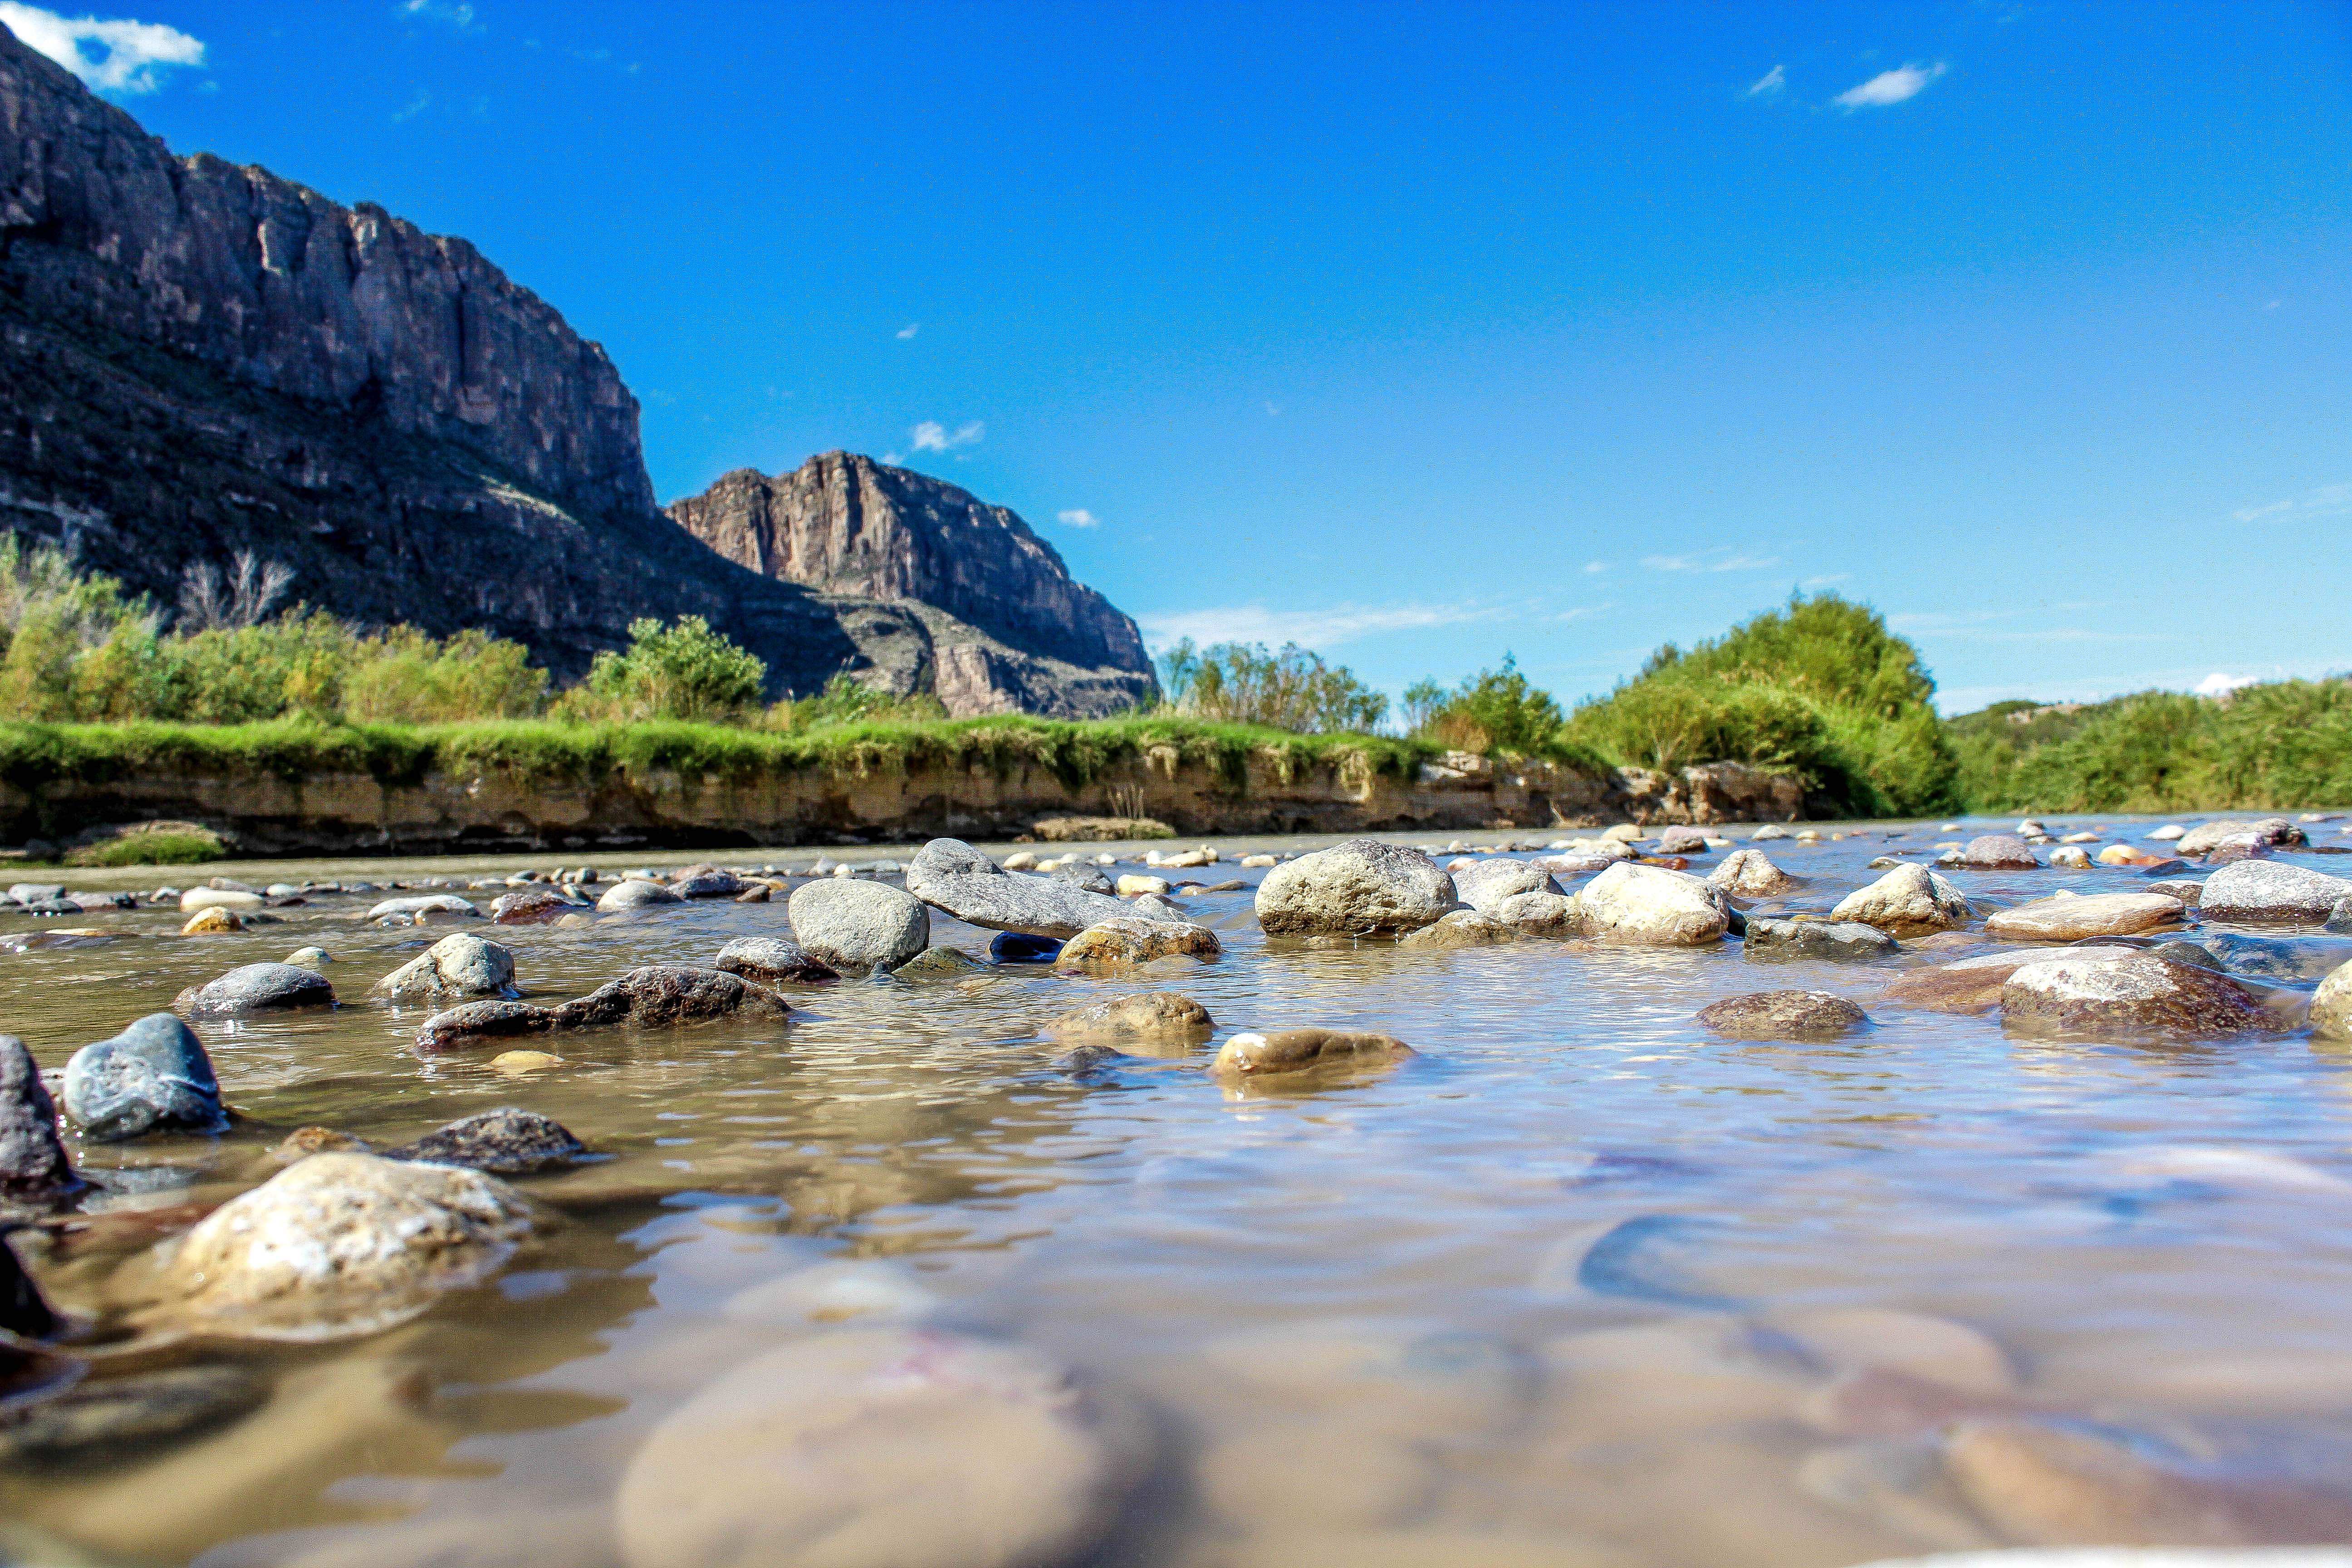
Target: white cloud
[
  {"x": 1078, "y": 518},
  {"x": 1309, "y": 629},
  {"x": 108, "y": 56},
  {"x": 909, "y": 330},
  {"x": 1596, "y": 566},
  {"x": 1712, "y": 560},
  {"x": 456, "y": 13},
  {"x": 413, "y": 108},
  {"x": 2220, "y": 685},
  {"x": 1825, "y": 581},
  {"x": 892, "y": 459},
  {"x": 1771, "y": 82},
  {"x": 931, "y": 435},
  {"x": 1889, "y": 87},
  {"x": 2327, "y": 500},
  {"x": 1273, "y": 411}
]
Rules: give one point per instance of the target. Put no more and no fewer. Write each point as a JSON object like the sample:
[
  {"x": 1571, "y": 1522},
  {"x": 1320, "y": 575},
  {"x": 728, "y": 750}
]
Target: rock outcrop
[
  {"x": 1004, "y": 628},
  {"x": 199, "y": 359}
]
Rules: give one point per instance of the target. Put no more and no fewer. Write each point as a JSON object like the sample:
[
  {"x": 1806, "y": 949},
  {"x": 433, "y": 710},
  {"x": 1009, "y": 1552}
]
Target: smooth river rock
[
  {"x": 949, "y": 875},
  {"x": 859, "y": 927},
  {"x": 1783, "y": 1015},
  {"x": 2331, "y": 1006},
  {"x": 1826, "y": 941},
  {"x": 532, "y": 906},
  {"x": 508, "y": 1141},
  {"x": 152, "y": 1077},
  {"x": 1974, "y": 984},
  {"x": 1536, "y": 914},
  {"x": 773, "y": 959},
  {"x": 2267, "y": 890},
  {"x": 1298, "y": 1050},
  {"x": 1360, "y": 888},
  {"x": 1996, "y": 852},
  {"x": 428, "y": 904},
  {"x": 941, "y": 963},
  {"x": 656, "y": 997},
  {"x": 459, "y": 964},
  {"x": 1910, "y": 901},
  {"x": 1463, "y": 928},
  {"x": 1129, "y": 940},
  {"x": 2268, "y": 832},
  {"x": 2095, "y": 914},
  {"x": 634, "y": 893},
  {"x": 196, "y": 899},
  {"x": 1652, "y": 906},
  {"x": 2133, "y": 993},
  {"x": 880, "y": 1449},
  {"x": 340, "y": 1245},
  {"x": 256, "y": 988},
  {"x": 33, "y": 1163},
  {"x": 1160, "y": 1015},
  {"x": 1750, "y": 874},
  {"x": 1483, "y": 884}
]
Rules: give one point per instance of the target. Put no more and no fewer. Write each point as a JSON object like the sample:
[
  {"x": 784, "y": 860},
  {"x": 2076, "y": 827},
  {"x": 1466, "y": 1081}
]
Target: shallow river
[{"x": 1564, "y": 1288}]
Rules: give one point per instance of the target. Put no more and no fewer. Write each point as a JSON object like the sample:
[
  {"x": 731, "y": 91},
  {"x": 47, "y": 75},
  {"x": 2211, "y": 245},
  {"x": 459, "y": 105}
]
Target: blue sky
[{"x": 1421, "y": 332}]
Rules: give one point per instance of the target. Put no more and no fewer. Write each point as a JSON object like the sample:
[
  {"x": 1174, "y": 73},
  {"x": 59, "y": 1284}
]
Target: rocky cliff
[
  {"x": 198, "y": 359},
  {"x": 1005, "y": 619}
]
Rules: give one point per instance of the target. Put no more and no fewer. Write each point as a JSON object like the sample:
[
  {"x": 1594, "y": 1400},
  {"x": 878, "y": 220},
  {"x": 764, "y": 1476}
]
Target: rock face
[
  {"x": 998, "y": 625},
  {"x": 1651, "y": 905},
  {"x": 879, "y": 1446},
  {"x": 950, "y": 875},
  {"x": 152, "y": 1077},
  {"x": 2266, "y": 890},
  {"x": 339, "y": 1245},
  {"x": 1361, "y": 888},
  {"x": 2131, "y": 993},
  {"x": 198, "y": 359}
]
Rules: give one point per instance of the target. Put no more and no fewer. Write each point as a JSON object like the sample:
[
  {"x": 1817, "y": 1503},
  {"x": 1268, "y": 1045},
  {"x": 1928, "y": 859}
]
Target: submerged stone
[
  {"x": 2132, "y": 993},
  {"x": 1152, "y": 1015},
  {"x": 508, "y": 1141},
  {"x": 460, "y": 965},
  {"x": 941, "y": 963},
  {"x": 1783, "y": 1015},
  {"x": 1128, "y": 940},
  {"x": 256, "y": 988},
  {"x": 773, "y": 959},
  {"x": 112, "y": 1414},
  {"x": 1297, "y": 1050},
  {"x": 2072, "y": 920},
  {"x": 152, "y": 1077},
  {"x": 23, "y": 1311},
  {"x": 1828, "y": 942}
]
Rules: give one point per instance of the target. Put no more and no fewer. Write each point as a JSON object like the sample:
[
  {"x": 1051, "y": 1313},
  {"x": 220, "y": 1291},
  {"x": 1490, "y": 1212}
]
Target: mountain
[
  {"x": 1008, "y": 629},
  {"x": 198, "y": 359}
]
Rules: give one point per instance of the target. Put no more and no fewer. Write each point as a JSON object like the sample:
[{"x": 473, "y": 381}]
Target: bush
[
  {"x": 1494, "y": 711},
  {"x": 163, "y": 848},
  {"x": 683, "y": 671},
  {"x": 848, "y": 701},
  {"x": 1293, "y": 689}
]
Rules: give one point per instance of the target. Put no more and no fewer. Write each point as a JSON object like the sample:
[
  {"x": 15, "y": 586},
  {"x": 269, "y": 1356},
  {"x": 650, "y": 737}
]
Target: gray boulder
[
  {"x": 634, "y": 893},
  {"x": 1995, "y": 852},
  {"x": 2340, "y": 919},
  {"x": 1357, "y": 888},
  {"x": 1827, "y": 942},
  {"x": 1086, "y": 878},
  {"x": 949, "y": 875},
  {"x": 1783, "y": 1015},
  {"x": 1910, "y": 901},
  {"x": 152, "y": 1077},
  {"x": 658, "y": 995},
  {"x": 1483, "y": 884},
  {"x": 29, "y": 893},
  {"x": 2133, "y": 993},
  {"x": 508, "y": 1141},
  {"x": 2267, "y": 832},
  {"x": 256, "y": 988},
  {"x": 33, "y": 1163},
  {"x": 1682, "y": 841},
  {"x": 706, "y": 883},
  {"x": 461, "y": 964},
  {"x": 1652, "y": 905},
  {"x": 1537, "y": 914},
  {"x": 2267, "y": 890},
  {"x": 859, "y": 927},
  {"x": 773, "y": 959}
]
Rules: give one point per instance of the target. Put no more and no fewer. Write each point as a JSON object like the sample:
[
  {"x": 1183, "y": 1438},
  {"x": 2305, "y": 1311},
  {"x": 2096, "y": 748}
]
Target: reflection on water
[{"x": 1580, "y": 1283}]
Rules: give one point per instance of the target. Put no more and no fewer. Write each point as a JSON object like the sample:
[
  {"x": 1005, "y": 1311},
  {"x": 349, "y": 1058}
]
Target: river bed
[{"x": 1568, "y": 1286}]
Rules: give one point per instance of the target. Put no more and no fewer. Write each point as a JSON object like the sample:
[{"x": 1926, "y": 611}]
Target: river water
[{"x": 1557, "y": 1289}]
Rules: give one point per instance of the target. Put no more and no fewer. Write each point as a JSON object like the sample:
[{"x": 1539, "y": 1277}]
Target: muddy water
[{"x": 1637, "y": 1238}]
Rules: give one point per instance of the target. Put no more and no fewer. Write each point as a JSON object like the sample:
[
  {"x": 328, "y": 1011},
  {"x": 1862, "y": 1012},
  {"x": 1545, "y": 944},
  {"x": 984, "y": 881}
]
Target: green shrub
[
  {"x": 150, "y": 849},
  {"x": 1493, "y": 710},
  {"x": 681, "y": 671},
  {"x": 1293, "y": 689}
]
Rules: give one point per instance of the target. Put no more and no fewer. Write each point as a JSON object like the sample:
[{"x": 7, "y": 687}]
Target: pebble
[
  {"x": 1783, "y": 1015},
  {"x": 857, "y": 927},
  {"x": 1297, "y": 1050},
  {"x": 1128, "y": 887},
  {"x": 2074, "y": 918},
  {"x": 1157, "y": 1015},
  {"x": 1652, "y": 907},
  {"x": 634, "y": 893},
  {"x": 773, "y": 959},
  {"x": 1995, "y": 852},
  {"x": 154, "y": 1077},
  {"x": 97, "y": 1418},
  {"x": 2071, "y": 859},
  {"x": 868, "y": 1290},
  {"x": 1750, "y": 874},
  {"x": 880, "y": 1447},
  {"x": 940, "y": 963},
  {"x": 1019, "y": 947},
  {"x": 196, "y": 899},
  {"x": 211, "y": 921},
  {"x": 1128, "y": 940},
  {"x": 460, "y": 965},
  {"x": 532, "y": 906},
  {"x": 429, "y": 904},
  {"x": 1767, "y": 832},
  {"x": 1829, "y": 942},
  {"x": 951, "y": 876},
  {"x": 1484, "y": 884},
  {"x": 2267, "y": 890},
  {"x": 1358, "y": 887},
  {"x": 1463, "y": 928},
  {"x": 1910, "y": 900},
  {"x": 2131, "y": 993},
  {"x": 33, "y": 1163},
  {"x": 2331, "y": 1006},
  {"x": 310, "y": 957},
  {"x": 345, "y": 1244},
  {"x": 508, "y": 1141},
  {"x": 2267, "y": 832}
]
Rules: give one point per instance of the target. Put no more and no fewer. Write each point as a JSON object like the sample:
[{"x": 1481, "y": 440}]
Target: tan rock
[
  {"x": 1649, "y": 905},
  {"x": 2130, "y": 994},
  {"x": 1910, "y": 901},
  {"x": 2331, "y": 1006},
  {"x": 212, "y": 917},
  {"x": 1974, "y": 984},
  {"x": 1463, "y": 928},
  {"x": 2097, "y": 914},
  {"x": 524, "y": 1061},
  {"x": 1150, "y": 1016},
  {"x": 1750, "y": 874},
  {"x": 1131, "y": 941},
  {"x": 1131, "y": 886},
  {"x": 1297, "y": 1050}
]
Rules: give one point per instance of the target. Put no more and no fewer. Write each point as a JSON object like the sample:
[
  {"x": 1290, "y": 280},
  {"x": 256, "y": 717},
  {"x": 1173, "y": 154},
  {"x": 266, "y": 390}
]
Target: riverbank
[{"x": 296, "y": 787}]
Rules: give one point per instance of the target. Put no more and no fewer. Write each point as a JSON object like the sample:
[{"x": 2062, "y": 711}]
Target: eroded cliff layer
[{"x": 1009, "y": 627}]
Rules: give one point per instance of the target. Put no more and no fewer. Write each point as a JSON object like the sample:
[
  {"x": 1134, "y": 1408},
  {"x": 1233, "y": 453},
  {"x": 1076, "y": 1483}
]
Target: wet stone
[
  {"x": 2331, "y": 1006},
  {"x": 2185, "y": 953},
  {"x": 1828, "y": 942},
  {"x": 1299, "y": 1050},
  {"x": 152, "y": 1077},
  {"x": 1019, "y": 947},
  {"x": 305, "y": 1141},
  {"x": 632, "y": 893},
  {"x": 475, "y": 1023},
  {"x": 24, "y": 1312},
  {"x": 1463, "y": 928},
  {"x": 709, "y": 884},
  {"x": 532, "y": 906},
  {"x": 1651, "y": 907},
  {"x": 773, "y": 959},
  {"x": 460, "y": 965},
  {"x": 508, "y": 1141},
  {"x": 2095, "y": 915},
  {"x": 1358, "y": 887},
  {"x": 2268, "y": 890},
  {"x": 340, "y": 1245},
  {"x": 210, "y": 921},
  {"x": 1129, "y": 940},
  {"x": 1483, "y": 884},
  {"x": 1783, "y": 1015},
  {"x": 1536, "y": 914},
  {"x": 1750, "y": 874},
  {"x": 1161, "y": 1016},
  {"x": 256, "y": 988},
  {"x": 950, "y": 875},
  {"x": 2268, "y": 832},
  {"x": 98, "y": 1420},
  {"x": 33, "y": 1163},
  {"x": 879, "y": 1449},
  {"x": 425, "y": 904},
  {"x": 2130, "y": 994},
  {"x": 1996, "y": 852},
  {"x": 1910, "y": 901},
  {"x": 662, "y": 995},
  {"x": 859, "y": 927},
  {"x": 941, "y": 963}
]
